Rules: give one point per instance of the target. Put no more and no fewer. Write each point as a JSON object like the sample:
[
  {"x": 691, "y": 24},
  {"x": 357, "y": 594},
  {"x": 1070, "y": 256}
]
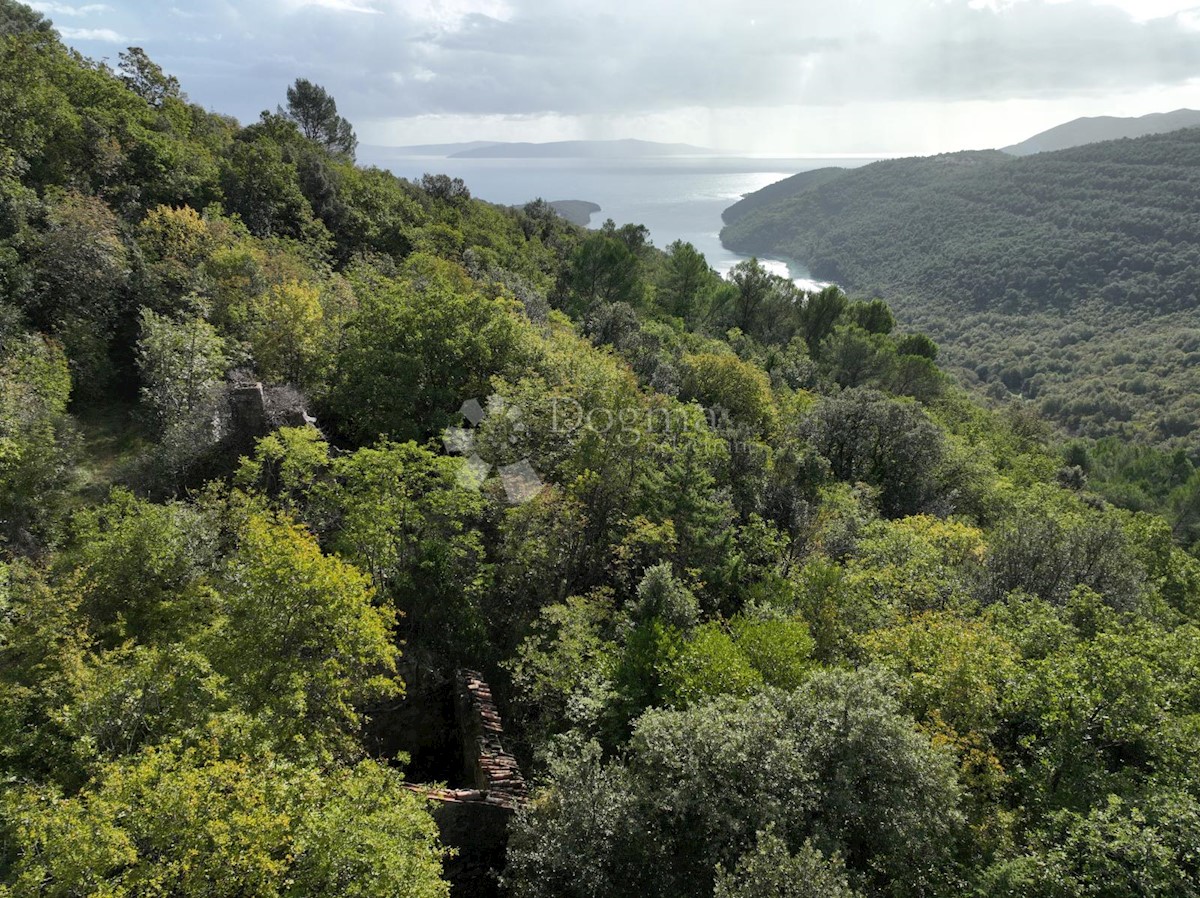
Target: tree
[
  {"x": 605, "y": 269},
  {"x": 445, "y": 188},
  {"x": 83, "y": 268},
  {"x": 820, "y": 314},
  {"x": 874, "y": 317},
  {"x": 287, "y": 333},
  {"x": 725, "y": 382},
  {"x": 686, "y": 275},
  {"x": 917, "y": 345},
  {"x": 300, "y": 638},
  {"x": 141, "y": 571},
  {"x": 264, "y": 188},
  {"x": 1049, "y": 555},
  {"x": 181, "y": 364},
  {"x": 834, "y": 761},
  {"x": 753, "y": 284},
  {"x": 889, "y": 444},
  {"x": 770, "y": 871},
  {"x": 409, "y": 518},
  {"x": 146, "y": 78},
  {"x": 190, "y": 823},
  {"x": 34, "y": 388},
  {"x": 17, "y": 18},
  {"x": 312, "y": 108},
  {"x": 418, "y": 348}
]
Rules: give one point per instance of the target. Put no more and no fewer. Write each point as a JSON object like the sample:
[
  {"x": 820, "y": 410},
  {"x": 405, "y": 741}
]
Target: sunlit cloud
[
  {"x": 339, "y": 6},
  {"x": 714, "y": 69},
  {"x": 63, "y": 9},
  {"x": 103, "y": 35}
]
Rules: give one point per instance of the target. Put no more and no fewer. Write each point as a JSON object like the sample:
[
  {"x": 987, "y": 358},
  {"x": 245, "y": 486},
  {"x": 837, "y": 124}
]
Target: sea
[{"x": 675, "y": 197}]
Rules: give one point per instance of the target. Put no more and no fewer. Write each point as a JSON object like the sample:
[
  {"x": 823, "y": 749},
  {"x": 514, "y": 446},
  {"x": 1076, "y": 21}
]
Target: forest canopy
[
  {"x": 1066, "y": 279},
  {"x": 770, "y": 604}
]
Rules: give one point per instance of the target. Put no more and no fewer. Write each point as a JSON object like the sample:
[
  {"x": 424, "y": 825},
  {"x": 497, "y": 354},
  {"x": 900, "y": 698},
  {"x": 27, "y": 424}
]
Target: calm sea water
[{"x": 677, "y": 198}]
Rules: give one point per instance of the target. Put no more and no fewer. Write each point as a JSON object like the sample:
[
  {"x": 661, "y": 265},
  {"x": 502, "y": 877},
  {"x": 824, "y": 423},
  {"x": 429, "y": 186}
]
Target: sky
[{"x": 770, "y": 77}]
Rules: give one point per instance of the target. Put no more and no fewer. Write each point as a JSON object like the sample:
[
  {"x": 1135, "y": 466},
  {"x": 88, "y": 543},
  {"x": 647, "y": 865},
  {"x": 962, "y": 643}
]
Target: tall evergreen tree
[{"x": 312, "y": 108}]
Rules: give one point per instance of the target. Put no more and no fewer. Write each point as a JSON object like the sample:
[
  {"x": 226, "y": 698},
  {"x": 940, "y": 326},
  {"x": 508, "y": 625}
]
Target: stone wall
[
  {"x": 492, "y": 769},
  {"x": 474, "y": 821}
]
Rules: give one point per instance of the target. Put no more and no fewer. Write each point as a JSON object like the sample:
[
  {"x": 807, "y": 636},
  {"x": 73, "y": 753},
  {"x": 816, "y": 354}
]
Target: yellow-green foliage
[
  {"x": 190, "y": 823},
  {"x": 723, "y": 380},
  {"x": 919, "y": 563}
]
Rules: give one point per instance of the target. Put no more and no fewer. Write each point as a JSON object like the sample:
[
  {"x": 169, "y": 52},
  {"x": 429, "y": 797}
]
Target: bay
[{"x": 676, "y": 197}]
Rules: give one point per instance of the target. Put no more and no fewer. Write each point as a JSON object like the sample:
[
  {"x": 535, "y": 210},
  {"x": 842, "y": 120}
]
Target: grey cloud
[{"x": 637, "y": 56}]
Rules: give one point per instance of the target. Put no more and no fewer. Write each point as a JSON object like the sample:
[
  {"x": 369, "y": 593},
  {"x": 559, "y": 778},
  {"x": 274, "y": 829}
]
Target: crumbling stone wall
[
  {"x": 474, "y": 821},
  {"x": 493, "y": 770}
]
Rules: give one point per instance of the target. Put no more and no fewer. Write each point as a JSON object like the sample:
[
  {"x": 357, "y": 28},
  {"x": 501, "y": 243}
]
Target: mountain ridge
[{"x": 1097, "y": 129}]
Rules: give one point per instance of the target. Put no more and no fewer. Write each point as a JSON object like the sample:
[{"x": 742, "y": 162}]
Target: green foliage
[
  {"x": 661, "y": 596},
  {"x": 166, "y": 822},
  {"x": 264, "y": 191},
  {"x": 685, "y": 281},
  {"x": 890, "y": 445},
  {"x": 1059, "y": 277},
  {"x": 34, "y": 456},
  {"x": 1050, "y": 555},
  {"x": 418, "y": 348},
  {"x": 146, "y": 78},
  {"x": 833, "y": 762},
  {"x": 287, "y": 333},
  {"x": 82, "y": 266},
  {"x": 564, "y": 670},
  {"x": 770, "y": 871},
  {"x": 142, "y": 570},
  {"x": 315, "y": 112},
  {"x": 726, "y": 383},
  {"x": 790, "y": 614},
  {"x": 16, "y": 18},
  {"x": 300, "y": 639},
  {"x": 1116, "y": 849},
  {"x": 605, "y": 269},
  {"x": 707, "y": 665},
  {"x": 181, "y": 365}
]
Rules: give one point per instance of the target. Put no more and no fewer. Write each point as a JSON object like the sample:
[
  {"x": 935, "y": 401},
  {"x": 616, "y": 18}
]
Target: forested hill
[
  {"x": 781, "y": 190},
  {"x": 1003, "y": 258},
  {"x": 770, "y": 607},
  {"x": 1120, "y": 220}
]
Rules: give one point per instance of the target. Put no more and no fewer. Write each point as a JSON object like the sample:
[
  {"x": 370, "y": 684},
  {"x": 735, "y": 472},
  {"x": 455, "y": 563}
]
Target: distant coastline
[
  {"x": 578, "y": 212},
  {"x": 561, "y": 149}
]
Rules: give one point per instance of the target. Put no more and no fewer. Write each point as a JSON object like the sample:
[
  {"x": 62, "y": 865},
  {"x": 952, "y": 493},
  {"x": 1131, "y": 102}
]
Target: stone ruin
[
  {"x": 495, "y": 772},
  {"x": 452, "y": 731},
  {"x": 454, "y": 734},
  {"x": 251, "y": 411}
]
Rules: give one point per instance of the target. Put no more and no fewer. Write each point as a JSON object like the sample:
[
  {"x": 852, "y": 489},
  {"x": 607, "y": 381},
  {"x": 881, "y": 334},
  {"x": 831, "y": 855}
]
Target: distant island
[
  {"x": 562, "y": 149},
  {"x": 1083, "y": 131},
  {"x": 578, "y": 212}
]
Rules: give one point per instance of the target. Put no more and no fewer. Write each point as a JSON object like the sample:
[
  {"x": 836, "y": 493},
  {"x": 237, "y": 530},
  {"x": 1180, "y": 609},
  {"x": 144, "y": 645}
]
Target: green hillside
[
  {"x": 768, "y": 604},
  {"x": 1067, "y": 278}
]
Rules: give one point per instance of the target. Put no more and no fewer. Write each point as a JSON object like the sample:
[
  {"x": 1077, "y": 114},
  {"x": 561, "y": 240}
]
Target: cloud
[
  {"x": 103, "y": 35},
  {"x": 387, "y": 59},
  {"x": 62, "y": 9},
  {"x": 338, "y": 6}
]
